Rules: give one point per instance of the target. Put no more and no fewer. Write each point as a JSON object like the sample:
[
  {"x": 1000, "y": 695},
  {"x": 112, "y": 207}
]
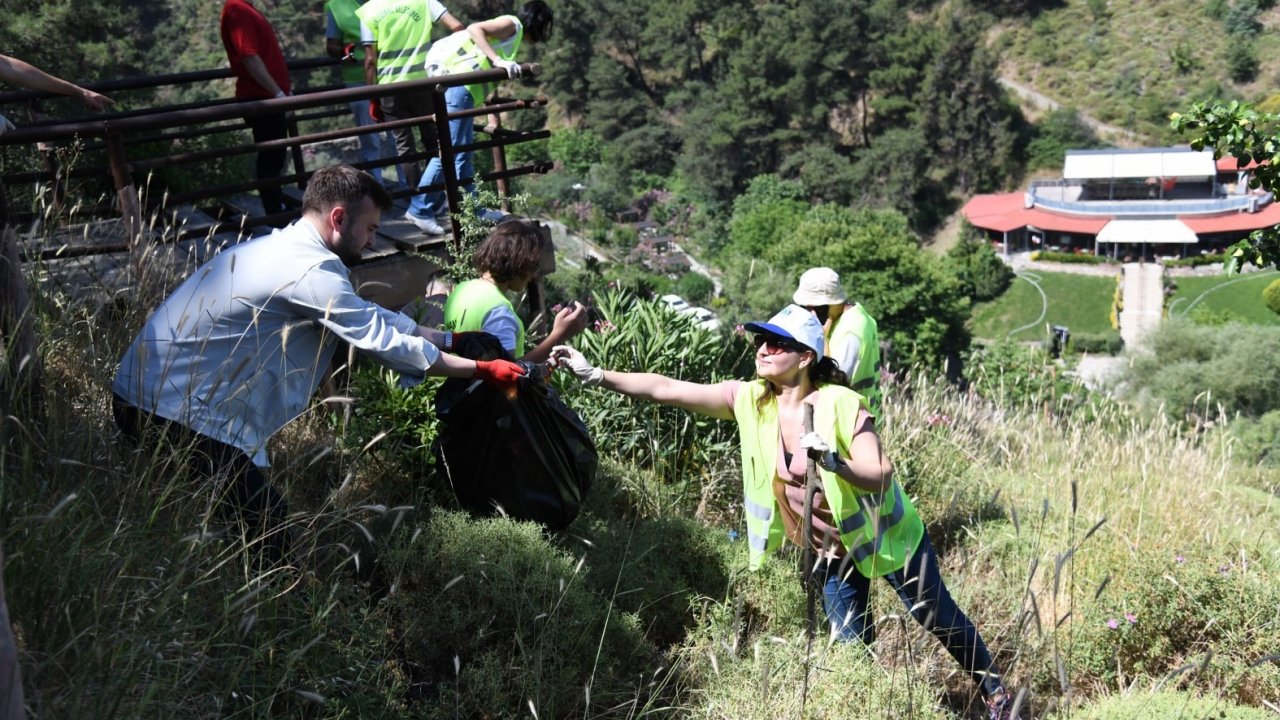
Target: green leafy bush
[
  {"x": 1197, "y": 370},
  {"x": 1271, "y": 296},
  {"x": 1099, "y": 344},
  {"x": 642, "y": 336},
  {"x": 545, "y": 640},
  {"x": 1063, "y": 257},
  {"x": 1259, "y": 438},
  {"x": 1167, "y": 608},
  {"x": 1195, "y": 260},
  {"x": 982, "y": 274},
  {"x": 1167, "y": 704}
]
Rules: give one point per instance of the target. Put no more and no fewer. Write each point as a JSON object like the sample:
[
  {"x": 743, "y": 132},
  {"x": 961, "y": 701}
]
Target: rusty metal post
[
  {"x": 443, "y": 139},
  {"x": 500, "y": 165},
  {"x": 122, "y": 176}
]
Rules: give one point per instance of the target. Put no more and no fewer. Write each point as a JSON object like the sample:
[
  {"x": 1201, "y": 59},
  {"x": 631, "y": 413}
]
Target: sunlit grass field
[
  {"x": 1239, "y": 296},
  {"x": 1080, "y": 302}
]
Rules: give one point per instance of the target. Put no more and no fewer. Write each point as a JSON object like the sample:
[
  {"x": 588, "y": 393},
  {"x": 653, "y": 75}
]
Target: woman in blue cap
[{"x": 863, "y": 525}]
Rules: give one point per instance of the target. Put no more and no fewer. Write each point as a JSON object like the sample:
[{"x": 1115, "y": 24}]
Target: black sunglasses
[{"x": 779, "y": 343}]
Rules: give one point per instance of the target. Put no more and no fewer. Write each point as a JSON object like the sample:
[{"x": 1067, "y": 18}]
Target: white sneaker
[
  {"x": 491, "y": 215},
  {"x": 427, "y": 226}
]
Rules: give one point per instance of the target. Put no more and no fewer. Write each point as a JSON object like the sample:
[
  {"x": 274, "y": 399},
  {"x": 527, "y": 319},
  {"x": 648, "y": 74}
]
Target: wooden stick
[{"x": 809, "y": 559}]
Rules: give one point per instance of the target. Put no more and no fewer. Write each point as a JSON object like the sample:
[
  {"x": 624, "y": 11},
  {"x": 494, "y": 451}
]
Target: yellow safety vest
[
  {"x": 865, "y": 378},
  {"x": 879, "y": 531},
  {"x": 458, "y": 54},
  {"x": 467, "y": 305},
  {"x": 344, "y": 15},
  {"x": 402, "y": 31}
]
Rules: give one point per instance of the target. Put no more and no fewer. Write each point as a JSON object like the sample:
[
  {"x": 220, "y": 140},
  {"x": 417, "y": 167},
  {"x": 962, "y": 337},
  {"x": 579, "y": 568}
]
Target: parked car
[
  {"x": 704, "y": 317},
  {"x": 675, "y": 302}
]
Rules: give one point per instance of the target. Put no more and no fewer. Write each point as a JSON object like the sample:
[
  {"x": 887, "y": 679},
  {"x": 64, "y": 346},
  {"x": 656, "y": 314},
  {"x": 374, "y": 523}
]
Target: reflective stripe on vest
[
  {"x": 459, "y": 53},
  {"x": 469, "y": 303},
  {"x": 402, "y": 32},
  {"x": 878, "y": 530}
]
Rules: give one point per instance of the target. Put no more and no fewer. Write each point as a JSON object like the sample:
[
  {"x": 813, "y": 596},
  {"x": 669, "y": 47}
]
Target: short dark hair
[
  {"x": 537, "y": 19},
  {"x": 512, "y": 250},
  {"x": 342, "y": 185}
]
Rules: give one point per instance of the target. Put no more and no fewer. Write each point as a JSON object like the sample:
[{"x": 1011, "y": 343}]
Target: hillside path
[
  {"x": 1041, "y": 101},
  {"x": 1143, "y": 302}
]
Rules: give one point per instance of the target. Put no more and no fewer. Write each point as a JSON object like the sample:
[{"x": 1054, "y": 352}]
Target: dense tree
[
  {"x": 966, "y": 118},
  {"x": 920, "y": 305}
]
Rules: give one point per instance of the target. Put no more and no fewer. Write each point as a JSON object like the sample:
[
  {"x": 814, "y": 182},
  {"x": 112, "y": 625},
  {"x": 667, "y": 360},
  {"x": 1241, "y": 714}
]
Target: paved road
[
  {"x": 1043, "y": 102},
  {"x": 1143, "y": 302}
]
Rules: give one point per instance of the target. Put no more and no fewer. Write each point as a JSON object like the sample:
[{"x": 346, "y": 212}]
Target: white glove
[
  {"x": 820, "y": 451},
  {"x": 511, "y": 66},
  {"x": 567, "y": 357},
  {"x": 5, "y": 125}
]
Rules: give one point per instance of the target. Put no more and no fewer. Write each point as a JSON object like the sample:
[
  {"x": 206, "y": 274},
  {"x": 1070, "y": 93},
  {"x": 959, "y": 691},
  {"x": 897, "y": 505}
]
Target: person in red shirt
[{"x": 261, "y": 73}]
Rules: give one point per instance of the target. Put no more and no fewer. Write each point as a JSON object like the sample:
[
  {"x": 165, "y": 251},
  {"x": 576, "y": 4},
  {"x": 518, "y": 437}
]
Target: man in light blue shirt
[{"x": 237, "y": 351}]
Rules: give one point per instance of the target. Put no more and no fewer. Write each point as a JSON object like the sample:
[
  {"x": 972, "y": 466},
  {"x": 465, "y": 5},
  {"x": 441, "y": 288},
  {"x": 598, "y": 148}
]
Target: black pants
[
  {"x": 270, "y": 162},
  {"x": 403, "y": 107},
  {"x": 244, "y": 496}
]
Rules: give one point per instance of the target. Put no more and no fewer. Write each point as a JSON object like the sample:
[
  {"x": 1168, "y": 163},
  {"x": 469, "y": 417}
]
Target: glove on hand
[
  {"x": 375, "y": 110},
  {"x": 820, "y": 451},
  {"x": 5, "y": 125},
  {"x": 349, "y": 54},
  {"x": 587, "y": 374},
  {"x": 502, "y": 373},
  {"x": 511, "y": 66}
]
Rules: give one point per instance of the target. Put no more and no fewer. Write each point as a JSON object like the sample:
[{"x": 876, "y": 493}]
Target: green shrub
[
  {"x": 981, "y": 272},
  {"x": 495, "y": 620},
  {"x": 1163, "y": 704},
  {"x": 1197, "y": 369},
  {"x": 643, "y": 336},
  {"x": 695, "y": 287},
  {"x": 1096, "y": 344},
  {"x": 1065, "y": 257},
  {"x": 1271, "y": 296},
  {"x": 1259, "y": 438},
  {"x": 1195, "y": 260},
  {"x": 1167, "y": 608},
  {"x": 1242, "y": 59}
]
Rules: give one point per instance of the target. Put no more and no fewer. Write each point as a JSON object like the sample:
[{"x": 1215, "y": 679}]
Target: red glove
[
  {"x": 375, "y": 110},
  {"x": 502, "y": 373},
  {"x": 349, "y": 54}
]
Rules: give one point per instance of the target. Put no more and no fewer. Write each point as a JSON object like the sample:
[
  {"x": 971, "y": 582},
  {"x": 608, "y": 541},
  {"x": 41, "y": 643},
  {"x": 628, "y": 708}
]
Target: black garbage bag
[{"x": 523, "y": 453}]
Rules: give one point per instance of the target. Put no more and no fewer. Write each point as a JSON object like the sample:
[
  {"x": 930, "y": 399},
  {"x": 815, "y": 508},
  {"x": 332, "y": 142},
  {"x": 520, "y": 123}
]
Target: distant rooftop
[{"x": 1112, "y": 164}]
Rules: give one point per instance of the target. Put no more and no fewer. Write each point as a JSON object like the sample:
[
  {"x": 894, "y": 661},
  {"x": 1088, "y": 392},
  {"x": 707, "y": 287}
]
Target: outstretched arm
[
  {"x": 17, "y": 72},
  {"x": 694, "y": 397}
]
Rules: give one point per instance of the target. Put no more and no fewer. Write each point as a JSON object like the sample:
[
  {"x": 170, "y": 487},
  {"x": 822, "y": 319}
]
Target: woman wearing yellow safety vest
[
  {"x": 864, "y": 526},
  {"x": 482, "y": 46}
]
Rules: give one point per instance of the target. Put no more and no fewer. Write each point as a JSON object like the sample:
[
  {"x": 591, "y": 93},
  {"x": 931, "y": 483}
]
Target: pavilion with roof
[{"x": 1129, "y": 203}]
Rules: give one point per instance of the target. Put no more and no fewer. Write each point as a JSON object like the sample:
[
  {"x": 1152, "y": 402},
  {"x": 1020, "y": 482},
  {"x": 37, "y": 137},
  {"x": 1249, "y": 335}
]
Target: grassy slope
[
  {"x": 1081, "y": 302},
  {"x": 1118, "y": 68},
  {"x": 1239, "y": 296}
]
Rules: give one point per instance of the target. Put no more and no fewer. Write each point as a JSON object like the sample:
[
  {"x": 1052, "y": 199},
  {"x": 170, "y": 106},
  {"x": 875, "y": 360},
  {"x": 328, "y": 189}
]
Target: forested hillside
[{"x": 1118, "y": 551}]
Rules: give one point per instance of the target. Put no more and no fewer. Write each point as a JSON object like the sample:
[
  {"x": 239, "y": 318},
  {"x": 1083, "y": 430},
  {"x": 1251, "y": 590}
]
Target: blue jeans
[
  {"x": 846, "y": 593},
  {"x": 373, "y": 146},
  {"x": 461, "y": 132}
]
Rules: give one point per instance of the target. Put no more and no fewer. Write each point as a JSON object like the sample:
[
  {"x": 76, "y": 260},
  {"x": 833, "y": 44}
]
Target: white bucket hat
[
  {"x": 793, "y": 323},
  {"x": 819, "y": 286}
]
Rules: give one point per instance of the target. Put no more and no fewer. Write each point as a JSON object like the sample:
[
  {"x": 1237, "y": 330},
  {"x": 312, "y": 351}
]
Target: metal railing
[
  {"x": 1140, "y": 206},
  {"x": 113, "y": 133}
]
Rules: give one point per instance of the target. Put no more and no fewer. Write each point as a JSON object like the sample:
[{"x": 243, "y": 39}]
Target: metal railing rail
[{"x": 116, "y": 131}]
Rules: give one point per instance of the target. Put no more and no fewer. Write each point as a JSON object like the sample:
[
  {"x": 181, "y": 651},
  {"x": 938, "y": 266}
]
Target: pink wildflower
[
  {"x": 1113, "y": 624},
  {"x": 1179, "y": 559},
  {"x": 1133, "y": 619}
]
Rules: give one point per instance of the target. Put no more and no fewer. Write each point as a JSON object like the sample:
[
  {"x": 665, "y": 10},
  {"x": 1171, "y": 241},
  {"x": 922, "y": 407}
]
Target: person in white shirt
[{"x": 239, "y": 348}]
